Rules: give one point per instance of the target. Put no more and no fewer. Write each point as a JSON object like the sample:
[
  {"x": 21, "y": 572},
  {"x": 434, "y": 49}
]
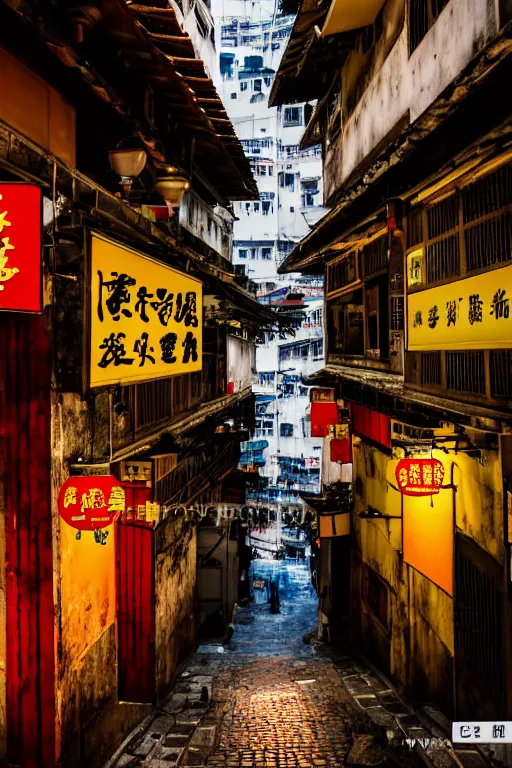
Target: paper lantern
[
  {"x": 419, "y": 477},
  {"x": 89, "y": 503}
]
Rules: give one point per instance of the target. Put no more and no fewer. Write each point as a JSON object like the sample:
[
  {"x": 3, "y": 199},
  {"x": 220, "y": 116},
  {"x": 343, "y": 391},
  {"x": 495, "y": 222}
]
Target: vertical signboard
[{"x": 21, "y": 269}]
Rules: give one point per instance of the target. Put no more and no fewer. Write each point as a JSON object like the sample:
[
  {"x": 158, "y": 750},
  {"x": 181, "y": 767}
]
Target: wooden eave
[
  {"x": 398, "y": 400},
  {"x": 175, "y": 74},
  {"x": 446, "y": 135},
  {"x": 308, "y": 62}
]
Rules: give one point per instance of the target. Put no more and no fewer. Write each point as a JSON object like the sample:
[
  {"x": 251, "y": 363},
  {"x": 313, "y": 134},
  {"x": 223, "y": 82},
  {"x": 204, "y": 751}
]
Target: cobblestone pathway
[{"x": 266, "y": 700}]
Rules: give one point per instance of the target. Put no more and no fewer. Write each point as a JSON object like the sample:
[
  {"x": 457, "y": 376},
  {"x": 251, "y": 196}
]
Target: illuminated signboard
[
  {"x": 145, "y": 318},
  {"x": 90, "y": 503},
  {"x": 473, "y": 313},
  {"x": 419, "y": 477},
  {"x": 21, "y": 271}
]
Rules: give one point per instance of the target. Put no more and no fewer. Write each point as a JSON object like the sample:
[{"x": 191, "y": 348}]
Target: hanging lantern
[
  {"x": 172, "y": 187},
  {"x": 419, "y": 477},
  {"x": 91, "y": 502}
]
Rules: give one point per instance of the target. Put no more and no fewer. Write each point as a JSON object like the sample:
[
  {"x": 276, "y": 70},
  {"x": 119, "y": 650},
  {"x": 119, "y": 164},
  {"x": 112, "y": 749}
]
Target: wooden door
[{"x": 136, "y": 612}]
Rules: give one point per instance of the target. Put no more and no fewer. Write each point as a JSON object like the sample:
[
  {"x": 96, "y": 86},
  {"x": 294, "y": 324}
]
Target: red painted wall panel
[
  {"x": 26, "y": 458},
  {"x": 136, "y": 612}
]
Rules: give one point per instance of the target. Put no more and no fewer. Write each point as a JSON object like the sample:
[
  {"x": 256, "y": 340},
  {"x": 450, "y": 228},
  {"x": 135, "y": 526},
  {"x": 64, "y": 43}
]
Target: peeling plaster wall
[
  {"x": 175, "y": 587},
  {"x": 91, "y": 723},
  {"x": 401, "y": 84},
  {"x": 418, "y": 646}
]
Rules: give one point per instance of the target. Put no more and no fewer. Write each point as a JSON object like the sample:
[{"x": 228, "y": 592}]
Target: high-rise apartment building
[{"x": 251, "y": 38}]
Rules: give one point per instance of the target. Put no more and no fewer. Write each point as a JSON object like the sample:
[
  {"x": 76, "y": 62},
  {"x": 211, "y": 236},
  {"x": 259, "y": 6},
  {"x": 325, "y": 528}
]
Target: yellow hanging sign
[
  {"x": 474, "y": 313},
  {"x": 146, "y": 319}
]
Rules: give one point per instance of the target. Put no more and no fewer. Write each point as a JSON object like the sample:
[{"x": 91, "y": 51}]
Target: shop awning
[{"x": 345, "y": 15}]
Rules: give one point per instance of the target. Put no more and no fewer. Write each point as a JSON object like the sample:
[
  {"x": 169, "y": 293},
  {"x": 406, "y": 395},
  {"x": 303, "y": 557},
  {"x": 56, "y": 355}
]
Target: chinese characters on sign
[
  {"x": 21, "y": 270},
  {"x": 91, "y": 503},
  {"x": 488, "y": 732},
  {"x": 146, "y": 318},
  {"x": 469, "y": 314},
  {"x": 419, "y": 477}
]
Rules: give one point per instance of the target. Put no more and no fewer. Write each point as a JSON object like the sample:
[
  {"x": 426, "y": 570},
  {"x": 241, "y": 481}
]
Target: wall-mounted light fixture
[
  {"x": 172, "y": 187},
  {"x": 128, "y": 164}
]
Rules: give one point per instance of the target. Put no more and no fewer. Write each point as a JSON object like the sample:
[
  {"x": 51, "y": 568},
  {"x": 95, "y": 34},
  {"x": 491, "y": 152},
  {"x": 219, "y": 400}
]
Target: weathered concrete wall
[
  {"x": 241, "y": 361},
  {"x": 398, "y": 84},
  {"x": 175, "y": 580},
  {"x": 417, "y": 646}
]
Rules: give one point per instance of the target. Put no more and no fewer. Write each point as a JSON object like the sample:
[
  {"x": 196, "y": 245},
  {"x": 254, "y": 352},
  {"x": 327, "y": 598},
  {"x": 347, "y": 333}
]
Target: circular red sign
[{"x": 90, "y": 503}]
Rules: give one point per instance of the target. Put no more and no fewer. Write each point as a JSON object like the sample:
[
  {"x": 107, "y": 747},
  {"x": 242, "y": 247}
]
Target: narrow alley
[{"x": 269, "y": 697}]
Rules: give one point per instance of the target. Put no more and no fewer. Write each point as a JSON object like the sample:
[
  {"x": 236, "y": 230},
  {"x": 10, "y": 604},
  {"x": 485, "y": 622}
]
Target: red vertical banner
[
  {"x": 25, "y": 445},
  {"x": 21, "y": 266}
]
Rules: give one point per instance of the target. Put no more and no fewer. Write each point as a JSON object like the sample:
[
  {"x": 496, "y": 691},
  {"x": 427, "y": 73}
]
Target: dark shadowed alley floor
[{"x": 274, "y": 701}]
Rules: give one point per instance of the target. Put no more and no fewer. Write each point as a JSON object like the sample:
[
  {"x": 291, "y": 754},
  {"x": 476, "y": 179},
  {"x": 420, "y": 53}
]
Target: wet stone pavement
[{"x": 267, "y": 699}]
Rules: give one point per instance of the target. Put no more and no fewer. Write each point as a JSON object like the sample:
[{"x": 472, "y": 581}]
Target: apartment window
[
  {"x": 254, "y": 253},
  {"x": 243, "y": 85},
  {"x": 377, "y": 313},
  {"x": 422, "y": 16},
  {"x": 292, "y": 116},
  {"x": 242, "y": 253},
  {"x": 309, "y": 193},
  {"x": 256, "y": 207},
  {"x": 266, "y": 253},
  {"x": 265, "y": 207},
  {"x": 234, "y": 96},
  {"x": 257, "y": 85},
  {"x": 286, "y": 430},
  {"x": 267, "y": 379},
  {"x": 292, "y": 209},
  {"x": 289, "y": 181},
  {"x": 345, "y": 324},
  {"x": 268, "y": 81}
]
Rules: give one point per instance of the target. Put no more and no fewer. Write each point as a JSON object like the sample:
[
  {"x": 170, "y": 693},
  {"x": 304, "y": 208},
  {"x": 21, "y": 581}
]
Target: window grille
[
  {"x": 431, "y": 368},
  {"x": 489, "y": 242},
  {"x": 468, "y": 231},
  {"x": 501, "y": 373},
  {"x": 442, "y": 216},
  {"x": 487, "y": 194},
  {"x": 415, "y": 228},
  {"x": 341, "y": 273},
  {"x": 422, "y": 16},
  {"x": 465, "y": 372},
  {"x": 375, "y": 256},
  {"x": 443, "y": 259}
]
